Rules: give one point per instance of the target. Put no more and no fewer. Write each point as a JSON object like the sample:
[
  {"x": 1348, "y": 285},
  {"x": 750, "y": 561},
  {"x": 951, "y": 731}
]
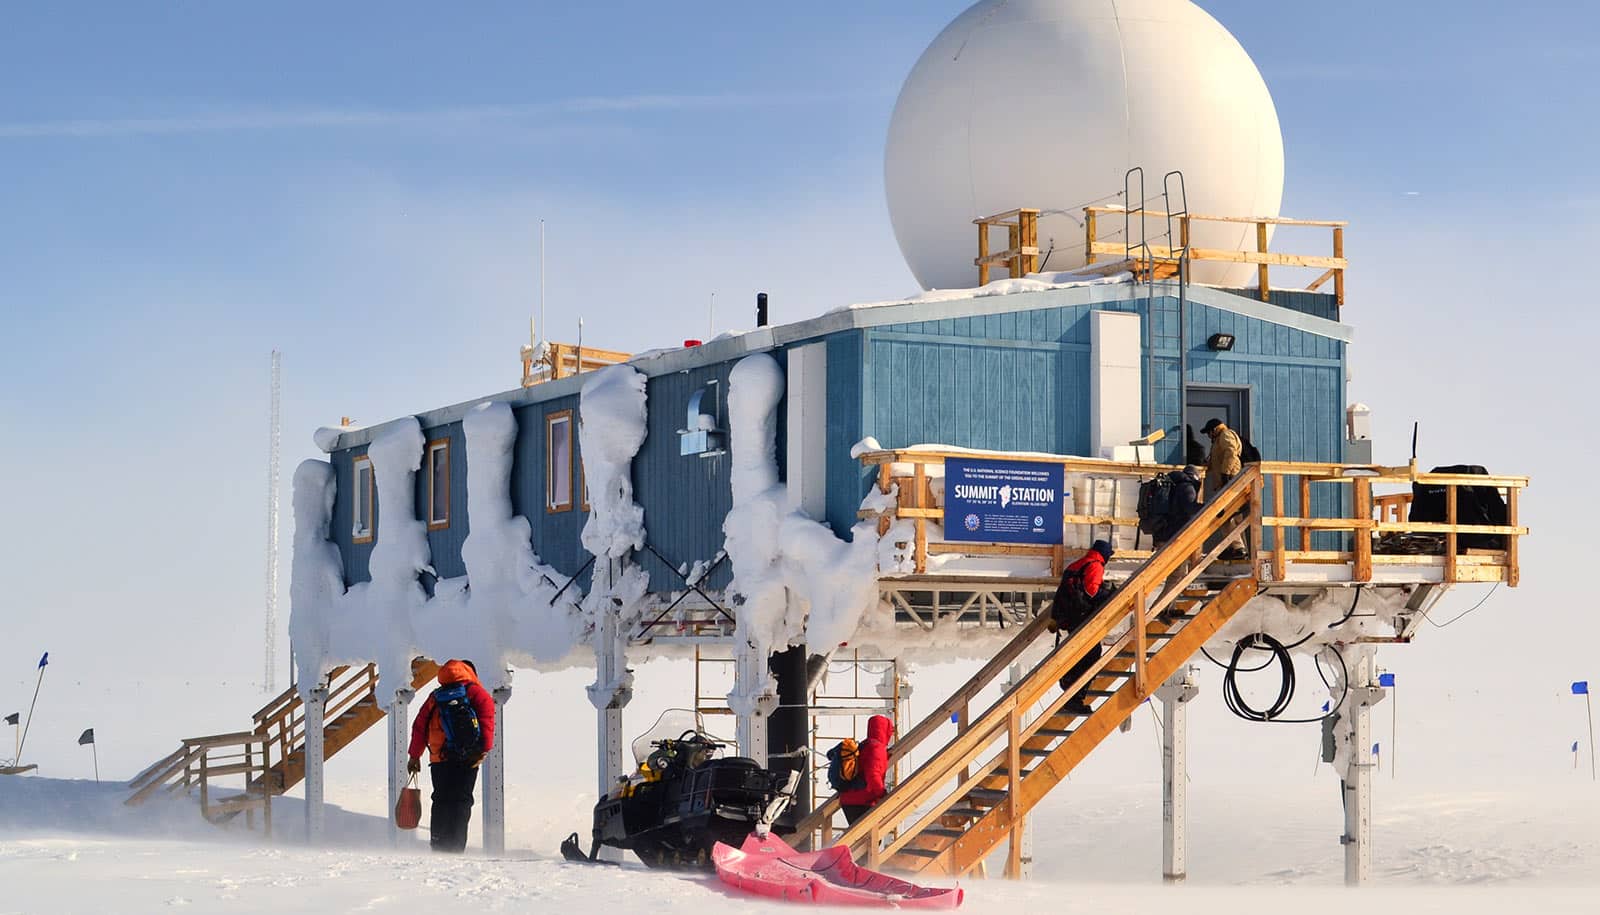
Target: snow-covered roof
[{"x": 1001, "y": 296}]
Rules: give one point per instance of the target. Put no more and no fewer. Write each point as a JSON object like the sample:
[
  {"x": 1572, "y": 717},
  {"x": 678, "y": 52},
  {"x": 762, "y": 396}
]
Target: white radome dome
[{"x": 1047, "y": 103}]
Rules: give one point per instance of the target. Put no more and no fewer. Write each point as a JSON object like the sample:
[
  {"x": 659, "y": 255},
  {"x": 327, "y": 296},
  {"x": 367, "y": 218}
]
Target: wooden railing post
[
  {"x": 1305, "y": 511},
  {"x": 1450, "y": 538},
  {"x": 983, "y": 253},
  {"x": 1363, "y": 531},
  {"x": 1513, "y": 566},
  {"x": 1088, "y": 235},
  {"x": 1261, "y": 245},
  {"x": 1280, "y": 558},
  {"x": 1338, "y": 272},
  {"x": 1140, "y": 646},
  {"x": 919, "y": 501},
  {"x": 1014, "y": 245},
  {"x": 1014, "y": 793}
]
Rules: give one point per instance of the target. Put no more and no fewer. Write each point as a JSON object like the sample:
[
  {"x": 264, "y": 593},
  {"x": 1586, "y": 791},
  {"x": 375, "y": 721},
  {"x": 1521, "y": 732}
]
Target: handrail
[
  {"x": 955, "y": 704},
  {"x": 1241, "y": 494},
  {"x": 1335, "y": 266}
]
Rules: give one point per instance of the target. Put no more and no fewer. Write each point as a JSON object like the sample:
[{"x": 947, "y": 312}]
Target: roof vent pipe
[{"x": 761, "y": 309}]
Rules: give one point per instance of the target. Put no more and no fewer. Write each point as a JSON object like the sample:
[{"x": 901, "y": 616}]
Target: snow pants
[
  {"x": 452, "y": 805},
  {"x": 1081, "y": 668},
  {"x": 853, "y": 812}
]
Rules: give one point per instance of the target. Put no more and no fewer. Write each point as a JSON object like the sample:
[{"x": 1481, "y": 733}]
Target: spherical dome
[{"x": 1047, "y": 103}]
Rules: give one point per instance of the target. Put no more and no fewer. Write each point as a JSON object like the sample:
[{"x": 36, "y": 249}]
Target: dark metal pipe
[{"x": 761, "y": 309}]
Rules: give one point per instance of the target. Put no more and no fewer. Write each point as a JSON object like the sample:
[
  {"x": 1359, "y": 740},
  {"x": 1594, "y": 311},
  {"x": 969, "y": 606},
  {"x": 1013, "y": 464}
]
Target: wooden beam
[
  {"x": 1261, "y": 248},
  {"x": 1450, "y": 536},
  {"x": 1362, "y": 570},
  {"x": 1089, "y": 239},
  {"x": 983, "y": 254},
  {"x": 1513, "y": 557},
  {"x": 1338, "y": 272},
  {"x": 1198, "y": 217}
]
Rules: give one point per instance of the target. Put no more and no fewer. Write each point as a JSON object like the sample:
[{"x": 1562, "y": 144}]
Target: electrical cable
[
  {"x": 1457, "y": 619},
  {"x": 1277, "y": 653}
]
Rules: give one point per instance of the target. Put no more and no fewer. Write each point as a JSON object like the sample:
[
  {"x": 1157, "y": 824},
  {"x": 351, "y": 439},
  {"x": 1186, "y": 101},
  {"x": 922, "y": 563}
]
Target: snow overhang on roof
[{"x": 1001, "y": 296}]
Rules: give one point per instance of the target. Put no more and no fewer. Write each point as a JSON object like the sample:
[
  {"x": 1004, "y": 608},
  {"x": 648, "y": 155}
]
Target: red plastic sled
[{"x": 769, "y": 867}]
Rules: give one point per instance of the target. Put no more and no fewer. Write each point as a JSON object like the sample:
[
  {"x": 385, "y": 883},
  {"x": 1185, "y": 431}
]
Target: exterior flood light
[{"x": 1220, "y": 343}]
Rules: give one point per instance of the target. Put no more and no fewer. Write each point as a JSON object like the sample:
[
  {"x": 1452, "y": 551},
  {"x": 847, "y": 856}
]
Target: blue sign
[{"x": 1002, "y": 501}]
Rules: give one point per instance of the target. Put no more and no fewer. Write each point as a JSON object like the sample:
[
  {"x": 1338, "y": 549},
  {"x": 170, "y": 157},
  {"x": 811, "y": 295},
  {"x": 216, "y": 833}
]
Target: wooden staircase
[
  {"x": 279, "y": 730},
  {"x": 951, "y": 813}
]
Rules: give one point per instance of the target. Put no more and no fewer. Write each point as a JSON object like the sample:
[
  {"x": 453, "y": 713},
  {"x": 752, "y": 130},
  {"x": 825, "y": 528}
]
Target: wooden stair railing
[
  {"x": 350, "y": 709},
  {"x": 950, "y": 813}
]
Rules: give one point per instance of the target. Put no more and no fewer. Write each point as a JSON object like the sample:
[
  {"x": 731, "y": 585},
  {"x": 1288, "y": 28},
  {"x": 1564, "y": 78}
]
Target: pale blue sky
[{"x": 185, "y": 186}]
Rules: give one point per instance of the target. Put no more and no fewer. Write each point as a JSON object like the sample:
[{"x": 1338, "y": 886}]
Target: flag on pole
[
  {"x": 86, "y": 737},
  {"x": 1375, "y": 750},
  {"x": 1386, "y": 680},
  {"x": 45, "y": 659},
  {"x": 955, "y": 717},
  {"x": 1580, "y": 688},
  {"x": 1326, "y": 704},
  {"x": 1574, "y": 746},
  {"x": 13, "y": 718}
]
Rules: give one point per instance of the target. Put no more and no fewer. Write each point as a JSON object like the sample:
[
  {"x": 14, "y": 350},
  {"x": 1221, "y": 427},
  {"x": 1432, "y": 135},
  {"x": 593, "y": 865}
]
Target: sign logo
[{"x": 971, "y": 522}]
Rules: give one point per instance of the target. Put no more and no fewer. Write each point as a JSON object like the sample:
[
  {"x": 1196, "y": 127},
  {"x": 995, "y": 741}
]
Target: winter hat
[
  {"x": 1211, "y": 424},
  {"x": 1103, "y": 548},
  {"x": 1191, "y": 471}
]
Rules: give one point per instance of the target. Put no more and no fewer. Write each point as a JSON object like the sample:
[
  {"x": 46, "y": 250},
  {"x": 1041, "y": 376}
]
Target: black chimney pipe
[{"x": 761, "y": 309}]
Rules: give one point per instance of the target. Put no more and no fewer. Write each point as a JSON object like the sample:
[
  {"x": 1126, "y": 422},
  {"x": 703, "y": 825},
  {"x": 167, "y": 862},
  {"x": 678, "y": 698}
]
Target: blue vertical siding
[
  {"x": 355, "y": 556},
  {"x": 444, "y": 544},
  {"x": 555, "y": 534},
  {"x": 847, "y": 480},
  {"x": 685, "y": 497},
  {"x": 1005, "y": 381}
]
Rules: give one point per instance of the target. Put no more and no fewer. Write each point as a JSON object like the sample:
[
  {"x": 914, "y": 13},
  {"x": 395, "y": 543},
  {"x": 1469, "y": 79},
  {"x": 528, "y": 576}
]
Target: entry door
[{"x": 1231, "y": 405}]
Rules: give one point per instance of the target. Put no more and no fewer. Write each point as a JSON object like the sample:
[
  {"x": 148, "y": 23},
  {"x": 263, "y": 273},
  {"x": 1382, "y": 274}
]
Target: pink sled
[{"x": 769, "y": 867}]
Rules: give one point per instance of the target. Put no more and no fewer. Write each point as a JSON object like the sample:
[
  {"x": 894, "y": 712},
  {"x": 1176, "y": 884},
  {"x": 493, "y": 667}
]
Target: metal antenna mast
[{"x": 269, "y": 680}]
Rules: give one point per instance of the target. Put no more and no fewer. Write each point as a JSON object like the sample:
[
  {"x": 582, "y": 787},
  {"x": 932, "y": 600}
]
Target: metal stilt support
[
  {"x": 1356, "y": 780},
  {"x": 756, "y": 700},
  {"x": 399, "y": 743},
  {"x": 1175, "y": 695},
  {"x": 313, "y": 716},
  {"x": 1019, "y": 862},
  {"x": 611, "y": 691},
  {"x": 494, "y": 780}
]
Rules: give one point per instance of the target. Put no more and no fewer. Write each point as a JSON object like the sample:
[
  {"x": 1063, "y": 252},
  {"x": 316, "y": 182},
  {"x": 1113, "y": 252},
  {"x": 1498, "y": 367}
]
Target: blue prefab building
[{"x": 1072, "y": 370}]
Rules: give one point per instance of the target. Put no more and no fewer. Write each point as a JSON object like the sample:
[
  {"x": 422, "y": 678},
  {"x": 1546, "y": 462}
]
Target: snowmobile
[{"x": 684, "y": 798}]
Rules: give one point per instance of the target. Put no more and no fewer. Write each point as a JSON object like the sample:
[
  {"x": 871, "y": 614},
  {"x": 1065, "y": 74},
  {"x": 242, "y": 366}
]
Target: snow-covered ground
[
  {"x": 66, "y": 846},
  {"x": 1461, "y": 830}
]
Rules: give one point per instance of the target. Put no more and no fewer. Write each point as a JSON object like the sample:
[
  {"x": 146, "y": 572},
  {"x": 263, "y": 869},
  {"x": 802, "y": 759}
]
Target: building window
[
  {"x": 361, "y": 501},
  {"x": 558, "y": 461},
  {"x": 438, "y": 484}
]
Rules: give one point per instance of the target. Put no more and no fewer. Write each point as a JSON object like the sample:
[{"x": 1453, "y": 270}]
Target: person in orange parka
[
  {"x": 453, "y": 778},
  {"x": 872, "y": 756}
]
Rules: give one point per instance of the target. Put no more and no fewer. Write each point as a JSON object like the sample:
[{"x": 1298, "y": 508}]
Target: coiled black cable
[{"x": 1277, "y": 653}]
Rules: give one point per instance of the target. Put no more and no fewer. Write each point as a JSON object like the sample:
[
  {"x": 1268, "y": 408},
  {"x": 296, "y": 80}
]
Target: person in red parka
[
  {"x": 872, "y": 757},
  {"x": 453, "y": 779},
  {"x": 1089, "y": 573}
]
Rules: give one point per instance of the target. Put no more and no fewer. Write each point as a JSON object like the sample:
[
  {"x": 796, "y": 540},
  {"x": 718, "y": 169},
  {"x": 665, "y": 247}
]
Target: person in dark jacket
[
  {"x": 453, "y": 780},
  {"x": 872, "y": 756},
  {"x": 1193, "y": 451},
  {"x": 1184, "y": 504},
  {"x": 1092, "y": 567}
]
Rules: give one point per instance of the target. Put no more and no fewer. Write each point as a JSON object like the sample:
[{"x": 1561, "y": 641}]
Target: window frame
[
  {"x": 551, "y": 420},
  {"x": 361, "y": 504},
  {"x": 435, "y": 447},
  {"x": 583, "y": 486}
]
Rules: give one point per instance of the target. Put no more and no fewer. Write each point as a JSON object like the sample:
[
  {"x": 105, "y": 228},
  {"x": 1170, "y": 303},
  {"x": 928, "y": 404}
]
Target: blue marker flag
[
  {"x": 45, "y": 659},
  {"x": 1574, "y": 746},
  {"x": 1385, "y": 679},
  {"x": 955, "y": 717},
  {"x": 1375, "y": 750},
  {"x": 1579, "y": 688},
  {"x": 1326, "y": 704}
]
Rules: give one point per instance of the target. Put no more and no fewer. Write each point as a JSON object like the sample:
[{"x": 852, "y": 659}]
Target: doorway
[{"x": 1228, "y": 403}]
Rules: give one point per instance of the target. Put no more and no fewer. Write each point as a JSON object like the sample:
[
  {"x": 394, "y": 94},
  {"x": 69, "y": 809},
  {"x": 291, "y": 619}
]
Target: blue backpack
[{"x": 463, "y": 736}]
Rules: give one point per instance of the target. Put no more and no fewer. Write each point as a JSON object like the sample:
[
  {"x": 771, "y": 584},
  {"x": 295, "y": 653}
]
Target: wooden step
[
  {"x": 988, "y": 796},
  {"x": 943, "y": 832},
  {"x": 1053, "y": 732},
  {"x": 910, "y": 852}
]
